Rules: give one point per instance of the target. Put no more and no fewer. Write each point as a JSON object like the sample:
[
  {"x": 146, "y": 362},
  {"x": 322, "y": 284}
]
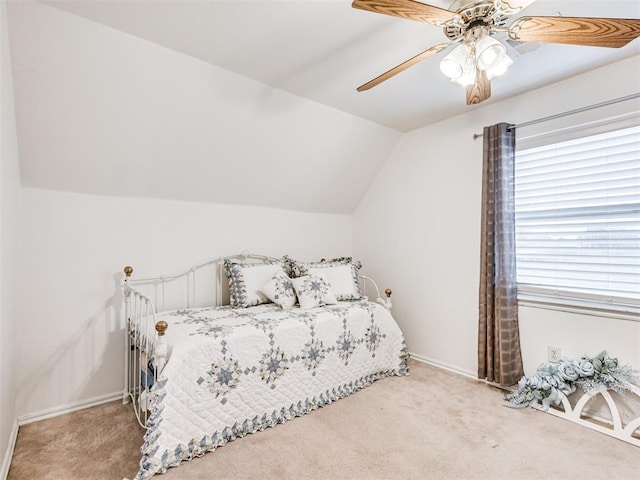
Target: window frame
[{"x": 539, "y": 296}]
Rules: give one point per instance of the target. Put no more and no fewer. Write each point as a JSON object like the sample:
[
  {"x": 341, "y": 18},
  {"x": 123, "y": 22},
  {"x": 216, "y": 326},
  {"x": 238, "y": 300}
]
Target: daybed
[{"x": 294, "y": 337}]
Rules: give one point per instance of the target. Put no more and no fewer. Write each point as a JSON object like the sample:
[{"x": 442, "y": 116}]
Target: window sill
[{"x": 629, "y": 313}]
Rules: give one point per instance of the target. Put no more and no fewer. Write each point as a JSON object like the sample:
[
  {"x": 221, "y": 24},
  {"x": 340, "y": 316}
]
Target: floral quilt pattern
[{"x": 232, "y": 372}]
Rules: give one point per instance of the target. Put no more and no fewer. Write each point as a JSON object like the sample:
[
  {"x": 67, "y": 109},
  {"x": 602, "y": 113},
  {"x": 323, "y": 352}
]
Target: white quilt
[{"x": 232, "y": 372}]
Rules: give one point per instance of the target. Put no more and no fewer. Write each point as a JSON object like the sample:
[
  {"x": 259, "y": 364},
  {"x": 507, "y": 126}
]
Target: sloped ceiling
[
  {"x": 245, "y": 102},
  {"x": 103, "y": 112},
  {"x": 323, "y": 49}
]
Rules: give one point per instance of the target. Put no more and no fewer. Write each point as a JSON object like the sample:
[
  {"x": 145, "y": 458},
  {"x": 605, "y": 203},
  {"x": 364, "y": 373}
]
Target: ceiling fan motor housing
[{"x": 471, "y": 15}]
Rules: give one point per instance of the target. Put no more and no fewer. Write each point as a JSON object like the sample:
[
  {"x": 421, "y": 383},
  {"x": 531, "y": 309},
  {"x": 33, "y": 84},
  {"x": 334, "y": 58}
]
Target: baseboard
[
  {"x": 444, "y": 366},
  {"x": 71, "y": 407},
  {"x": 6, "y": 462}
]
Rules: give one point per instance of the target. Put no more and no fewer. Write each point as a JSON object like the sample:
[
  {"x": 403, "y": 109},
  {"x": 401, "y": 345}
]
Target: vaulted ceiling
[
  {"x": 322, "y": 50},
  {"x": 243, "y": 102}
]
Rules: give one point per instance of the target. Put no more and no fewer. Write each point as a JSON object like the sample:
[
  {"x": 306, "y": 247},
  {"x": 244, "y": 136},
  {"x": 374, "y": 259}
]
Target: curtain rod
[{"x": 570, "y": 112}]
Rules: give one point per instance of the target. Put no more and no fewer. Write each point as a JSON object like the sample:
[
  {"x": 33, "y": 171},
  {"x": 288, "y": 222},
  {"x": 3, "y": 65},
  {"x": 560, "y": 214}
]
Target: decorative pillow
[
  {"x": 280, "y": 290},
  {"x": 296, "y": 268},
  {"x": 341, "y": 273},
  {"x": 246, "y": 280},
  {"x": 313, "y": 291}
]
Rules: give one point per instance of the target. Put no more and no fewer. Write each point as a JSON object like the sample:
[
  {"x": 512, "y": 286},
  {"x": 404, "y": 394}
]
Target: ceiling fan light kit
[
  {"x": 478, "y": 51},
  {"x": 477, "y": 56}
]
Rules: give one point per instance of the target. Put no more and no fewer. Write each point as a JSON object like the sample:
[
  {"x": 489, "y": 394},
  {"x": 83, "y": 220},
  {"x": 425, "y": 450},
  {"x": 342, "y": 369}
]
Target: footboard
[{"x": 145, "y": 349}]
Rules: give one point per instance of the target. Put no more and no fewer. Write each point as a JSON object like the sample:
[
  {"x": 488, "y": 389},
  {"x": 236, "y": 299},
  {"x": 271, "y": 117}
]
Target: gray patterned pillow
[
  {"x": 313, "y": 291},
  {"x": 342, "y": 274},
  {"x": 246, "y": 280},
  {"x": 280, "y": 291}
]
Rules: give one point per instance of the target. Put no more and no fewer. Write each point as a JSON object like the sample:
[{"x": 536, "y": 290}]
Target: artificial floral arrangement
[{"x": 553, "y": 381}]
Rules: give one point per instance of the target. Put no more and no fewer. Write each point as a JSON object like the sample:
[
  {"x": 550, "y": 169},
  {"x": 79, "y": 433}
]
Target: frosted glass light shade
[
  {"x": 468, "y": 76},
  {"x": 452, "y": 66},
  {"x": 489, "y": 52},
  {"x": 500, "y": 68}
]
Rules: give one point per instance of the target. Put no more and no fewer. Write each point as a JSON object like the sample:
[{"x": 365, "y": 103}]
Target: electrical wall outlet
[{"x": 553, "y": 354}]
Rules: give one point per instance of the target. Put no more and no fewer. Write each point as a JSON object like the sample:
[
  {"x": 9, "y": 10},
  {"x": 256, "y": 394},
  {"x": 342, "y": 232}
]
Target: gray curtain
[{"x": 499, "y": 356}]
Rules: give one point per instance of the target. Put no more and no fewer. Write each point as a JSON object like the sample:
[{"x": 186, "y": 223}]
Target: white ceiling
[{"x": 323, "y": 49}]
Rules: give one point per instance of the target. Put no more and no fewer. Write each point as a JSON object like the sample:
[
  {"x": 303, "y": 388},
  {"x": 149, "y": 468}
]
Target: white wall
[
  {"x": 75, "y": 245},
  {"x": 9, "y": 212},
  {"x": 418, "y": 230}
]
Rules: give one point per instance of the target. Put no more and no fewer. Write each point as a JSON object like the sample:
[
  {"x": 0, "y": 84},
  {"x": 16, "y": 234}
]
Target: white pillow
[
  {"x": 246, "y": 280},
  {"x": 343, "y": 279},
  {"x": 313, "y": 291},
  {"x": 280, "y": 290}
]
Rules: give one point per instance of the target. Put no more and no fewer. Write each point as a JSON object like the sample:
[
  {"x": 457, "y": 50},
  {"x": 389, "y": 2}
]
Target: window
[{"x": 577, "y": 205}]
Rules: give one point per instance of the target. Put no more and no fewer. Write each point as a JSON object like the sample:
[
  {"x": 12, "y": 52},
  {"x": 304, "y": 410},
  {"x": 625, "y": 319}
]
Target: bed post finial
[
  {"x": 128, "y": 270},
  {"x": 387, "y": 301},
  {"x": 161, "y": 327},
  {"x": 160, "y": 347}
]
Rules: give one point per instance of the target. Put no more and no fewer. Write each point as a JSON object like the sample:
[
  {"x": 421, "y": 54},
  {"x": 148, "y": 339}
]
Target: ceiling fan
[{"x": 478, "y": 56}]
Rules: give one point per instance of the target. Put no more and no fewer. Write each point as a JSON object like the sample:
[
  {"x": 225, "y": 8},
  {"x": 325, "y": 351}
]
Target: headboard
[
  {"x": 201, "y": 285},
  {"x": 206, "y": 284}
]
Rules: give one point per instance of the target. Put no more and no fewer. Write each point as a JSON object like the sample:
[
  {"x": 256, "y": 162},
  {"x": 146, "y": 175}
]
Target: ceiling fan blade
[
  {"x": 408, "y": 9},
  {"x": 403, "y": 66},
  {"x": 480, "y": 90},
  {"x": 596, "y": 32}
]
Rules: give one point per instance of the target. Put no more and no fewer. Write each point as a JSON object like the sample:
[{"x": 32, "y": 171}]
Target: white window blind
[{"x": 577, "y": 208}]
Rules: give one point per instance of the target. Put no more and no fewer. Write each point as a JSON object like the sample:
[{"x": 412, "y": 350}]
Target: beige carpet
[{"x": 430, "y": 425}]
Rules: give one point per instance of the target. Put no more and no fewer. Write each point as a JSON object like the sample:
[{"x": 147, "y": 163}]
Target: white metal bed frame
[{"x": 146, "y": 351}]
